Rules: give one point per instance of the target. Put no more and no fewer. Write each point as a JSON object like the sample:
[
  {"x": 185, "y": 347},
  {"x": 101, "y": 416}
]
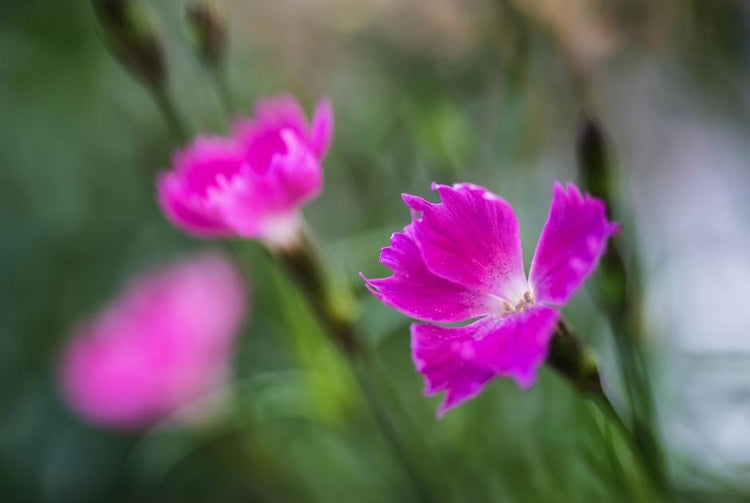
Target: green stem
[
  {"x": 219, "y": 77},
  {"x": 652, "y": 468},
  {"x": 642, "y": 416},
  {"x": 570, "y": 358},
  {"x": 422, "y": 490},
  {"x": 166, "y": 107},
  {"x": 330, "y": 301},
  {"x": 618, "y": 294},
  {"x": 335, "y": 308}
]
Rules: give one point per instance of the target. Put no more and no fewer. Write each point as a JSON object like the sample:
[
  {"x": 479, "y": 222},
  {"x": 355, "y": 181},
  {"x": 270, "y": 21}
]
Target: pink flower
[
  {"x": 253, "y": 183},
  {"x": 460, "y": 259},
  {"x": 164, "y": 344}
]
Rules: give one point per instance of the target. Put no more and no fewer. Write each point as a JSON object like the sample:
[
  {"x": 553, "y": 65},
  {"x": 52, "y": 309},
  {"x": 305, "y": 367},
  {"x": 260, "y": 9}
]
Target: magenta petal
[
  {"x": 187, "y": 211},
  {"x": 471, "y": 238},
  {"x": 182, "y": 192},
  {"x": 416, "y": 292},
  {"x": 206, "y": 158},
  {"x": 260, "y": 137},
  {"x": 572, "y": 242},
  {"x": 321, "y": 130},
  {"x": 280, "y": 112},
  {"x": 436, "y": 352},
  {"x": 165, "y": 343},
  {"x": 462, "y": 360},
  {"x": 299, "y": 171},
  {"x": 252, "y": 184},
  {"x": 254, "y": 205},
  {"x": 518, "y": 347}
]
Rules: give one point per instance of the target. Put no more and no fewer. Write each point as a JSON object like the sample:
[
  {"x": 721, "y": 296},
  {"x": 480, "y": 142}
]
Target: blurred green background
[{"x": 491, "y": 92}]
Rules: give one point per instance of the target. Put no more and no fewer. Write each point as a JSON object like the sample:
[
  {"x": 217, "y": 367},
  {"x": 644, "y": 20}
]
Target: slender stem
[
  {"x": 570, "y": 358},
  {"x": 423, "y": 490},
  {"x": 638, "y": 386},
  {"x": 653, "y": 470},
  {"x": 177, "y": 130},
  {"x": 330, "y": 301},
  {"x": 618, "y": 298},
  {"x": 219, "y": 77},
  {"x": 334, "y": 307},
  {"x": 605, "y": 406},
  {"x": 304, "y": 263}
]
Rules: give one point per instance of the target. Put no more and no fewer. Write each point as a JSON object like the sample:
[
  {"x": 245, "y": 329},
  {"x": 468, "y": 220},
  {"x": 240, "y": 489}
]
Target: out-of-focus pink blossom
[
  {"x": 162, "y": 346},
  {"x": 253, "y": 183},
  {"x": 460, "y": 259}
]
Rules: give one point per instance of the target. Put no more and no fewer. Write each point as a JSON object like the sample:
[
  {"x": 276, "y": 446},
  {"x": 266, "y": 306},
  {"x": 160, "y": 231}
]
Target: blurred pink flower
[
  {"x": 164, "y": 344},
  {"x": 460, "y": 259},
  {"x": 253, "y": 183}
]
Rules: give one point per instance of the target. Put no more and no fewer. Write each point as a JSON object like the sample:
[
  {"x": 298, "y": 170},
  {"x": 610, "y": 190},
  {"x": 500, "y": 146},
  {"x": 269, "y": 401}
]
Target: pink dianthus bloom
[
  {"x": 163, "y": 345},
  {"x": 460, "y": 259},
  {"x": 252, "y": 183}
]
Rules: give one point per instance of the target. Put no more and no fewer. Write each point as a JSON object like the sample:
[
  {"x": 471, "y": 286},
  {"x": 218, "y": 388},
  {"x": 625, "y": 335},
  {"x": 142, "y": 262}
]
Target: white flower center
[
  {"x": 281, "y": 231},
  {"x": 503, "y": 307}
]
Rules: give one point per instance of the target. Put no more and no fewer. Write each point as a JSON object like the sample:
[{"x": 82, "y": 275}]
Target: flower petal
[
  {"x": 299, "y": 171},
  {"x": 462, "y": 360},
  {"x": 261, "y": 136},
  {"x": 280, "y": 112},
  {"x": 187, "y": 211},
  {"x": 206, "y": 158},
  {"x": 251, "y": 201},
  {"x": 572, "y": 242},
  {"x": 471, "y": 238},
  {"x": 417, "y": 292},
  {"x": 518, "y": 346},
  {"x": 321, "y": 130}
]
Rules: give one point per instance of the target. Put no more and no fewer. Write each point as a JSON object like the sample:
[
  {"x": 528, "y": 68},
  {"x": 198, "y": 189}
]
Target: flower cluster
[
  {"x": 461, "y": 260},
  {"x": 163, "y": 344},
  {"x": 252, "y": 183}
]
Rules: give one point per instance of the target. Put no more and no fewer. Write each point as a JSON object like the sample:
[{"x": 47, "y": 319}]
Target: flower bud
[
  {"x": 593, "y": 159},
  {"x": 131, "y": 36},
  {"x": 208, "y": 33},
  {"x": 597, "y": 172}
]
